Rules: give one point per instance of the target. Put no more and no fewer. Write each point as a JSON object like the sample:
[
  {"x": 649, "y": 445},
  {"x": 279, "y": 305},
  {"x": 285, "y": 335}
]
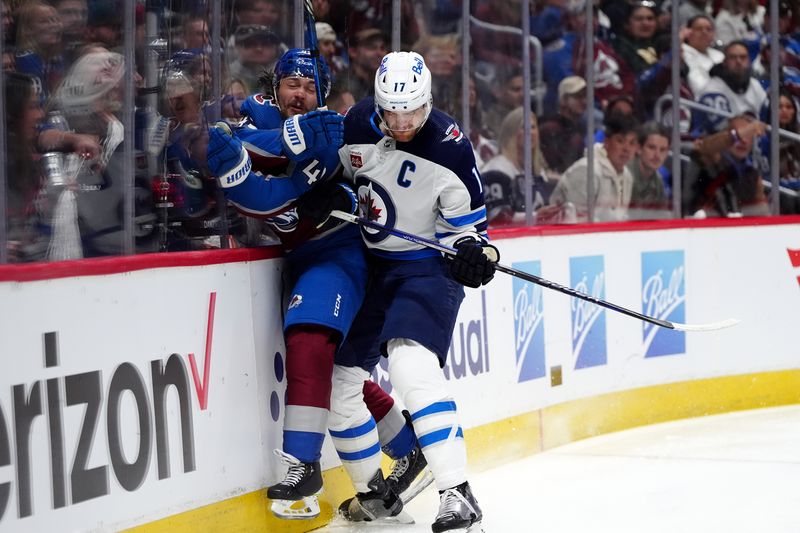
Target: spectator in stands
[
  {"x": 698, "y": 52},
  {"x": 74, "y": 16},
  {"x": 442, "y": 55},
  {"x": 656, "y": 81},
  {"x": 562, "y": 134},
  {"x": 499, "y": 49},
  {"x": 508, "y": 94},
  {"x": 368, "y": 14},
  {"x": 620, "y": 105},
  {"x": 649, "y": 198},
  {"x": 567, "y": 57},
  {"x": 259, "y": 13},
  {"x": 725, "y": 181},
  {"x": 366, "y": 50},
  {"x": 257, "y": 48},
  {"x": 613, "y": 182},
  {"x": 195, "y": 34},
  {"x": 340, "y": 99},
  {"x": 635, "y": 44},
  {"x": 741, "y": 20},
  {"x": 789, "y": 154},
  {"x": 504, "y": 176},
  {"x": 25, "y": 178},
  {"x": 104, "y": 23},
  {"x": 329, "y": 45},
  {"x": 39, "y": 47},
  {"x": 688, "y": 9},
  {"x": 90, "y": 96},
  {"x": 732, "y": 89},
  {"x": 789, "y": 53}
]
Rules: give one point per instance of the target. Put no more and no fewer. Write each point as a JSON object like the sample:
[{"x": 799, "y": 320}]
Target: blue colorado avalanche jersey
[
  {"x": 275, "y": 182},
  {"x": 429, "y": 186}
]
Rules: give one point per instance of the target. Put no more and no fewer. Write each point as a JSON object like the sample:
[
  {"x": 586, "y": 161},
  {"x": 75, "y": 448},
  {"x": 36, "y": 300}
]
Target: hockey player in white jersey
[{"x": 413, "y": 170}]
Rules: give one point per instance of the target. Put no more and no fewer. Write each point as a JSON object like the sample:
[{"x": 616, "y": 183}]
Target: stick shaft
[
  {"x": 505, "y": 269},
  {"x": 311, "y": 37}
]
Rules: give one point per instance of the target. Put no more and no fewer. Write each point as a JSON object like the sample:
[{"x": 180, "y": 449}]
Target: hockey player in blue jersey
[
  {"x": 279, "y": 162},
  {"x": 414, "y": 170}
]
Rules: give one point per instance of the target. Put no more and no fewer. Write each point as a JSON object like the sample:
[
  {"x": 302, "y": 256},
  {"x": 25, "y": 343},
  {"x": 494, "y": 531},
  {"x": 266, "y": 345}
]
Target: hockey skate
[
  {"x": 380, "y": 503},
  {"x": 458, "y": 511},
  {"x": 409, "y": 475},
  {"x": 295, "y": 498}
]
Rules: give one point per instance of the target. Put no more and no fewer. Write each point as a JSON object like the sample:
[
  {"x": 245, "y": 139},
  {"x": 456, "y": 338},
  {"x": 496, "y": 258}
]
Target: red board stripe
[{"x": 115, "y": 265}]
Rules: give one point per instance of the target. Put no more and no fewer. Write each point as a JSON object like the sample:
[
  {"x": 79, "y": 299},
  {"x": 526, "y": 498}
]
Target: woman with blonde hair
[
  {"x": 39, "y": 48},
  {"x": 504, "y": 175}
]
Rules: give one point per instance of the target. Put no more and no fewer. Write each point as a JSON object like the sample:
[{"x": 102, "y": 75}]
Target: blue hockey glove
[
  {"x": 474, "y": 264},
  {"x": 305, "y": 135},
  {"x": 227, "y": 158},
  {"x": 318, "y": 203}
]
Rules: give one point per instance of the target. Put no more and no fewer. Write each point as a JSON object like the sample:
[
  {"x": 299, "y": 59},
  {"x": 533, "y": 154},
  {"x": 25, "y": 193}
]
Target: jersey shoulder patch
[{"x": 262, "y": 111}]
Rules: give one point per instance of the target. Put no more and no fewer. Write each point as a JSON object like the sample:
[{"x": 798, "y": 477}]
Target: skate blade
[
  {"x": 401, "y": 518},
  {"x": 420, "y": 484},
  {"x": 304, "y": 509}
]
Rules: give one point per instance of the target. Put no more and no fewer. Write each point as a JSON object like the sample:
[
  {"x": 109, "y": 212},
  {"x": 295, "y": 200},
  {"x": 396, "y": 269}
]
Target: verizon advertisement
[{"x": 132, "y": 396}]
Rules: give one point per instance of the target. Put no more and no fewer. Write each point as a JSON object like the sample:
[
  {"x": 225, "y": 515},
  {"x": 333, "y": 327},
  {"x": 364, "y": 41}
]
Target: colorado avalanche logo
[
  {"x": 374, "y": 203},
  {"x": 285, "y": 222},
  {"x": 296, "y": 300}
]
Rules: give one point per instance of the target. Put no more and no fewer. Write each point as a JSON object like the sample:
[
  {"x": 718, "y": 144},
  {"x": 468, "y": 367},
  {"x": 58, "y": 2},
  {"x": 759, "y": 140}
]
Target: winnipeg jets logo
[
  {"x": 453, "y": 133},
  {"x": 296, "y": 300},
  {"x": 375, "y": 204},
  {"x": 367, "y": 207}
]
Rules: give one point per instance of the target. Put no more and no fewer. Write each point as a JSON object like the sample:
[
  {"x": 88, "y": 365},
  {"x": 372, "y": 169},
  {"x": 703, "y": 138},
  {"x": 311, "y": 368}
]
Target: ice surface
[{"x": 731, "y": 473}]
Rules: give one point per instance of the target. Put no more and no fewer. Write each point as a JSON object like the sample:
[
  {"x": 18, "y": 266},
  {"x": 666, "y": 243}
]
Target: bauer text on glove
[
  {"x": 305, "y": 135},
  {"x": 227, "y": 159}
]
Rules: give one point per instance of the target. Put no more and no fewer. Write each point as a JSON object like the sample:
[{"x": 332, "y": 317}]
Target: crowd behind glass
[{"x": 65, "y": 72}]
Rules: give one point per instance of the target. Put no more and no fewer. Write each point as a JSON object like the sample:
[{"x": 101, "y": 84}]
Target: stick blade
[{"x": 713, "y": 326}]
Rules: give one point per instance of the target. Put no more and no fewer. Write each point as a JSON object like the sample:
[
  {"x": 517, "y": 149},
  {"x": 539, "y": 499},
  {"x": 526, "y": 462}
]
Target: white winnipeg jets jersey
[{"x": 429, "y": 187}]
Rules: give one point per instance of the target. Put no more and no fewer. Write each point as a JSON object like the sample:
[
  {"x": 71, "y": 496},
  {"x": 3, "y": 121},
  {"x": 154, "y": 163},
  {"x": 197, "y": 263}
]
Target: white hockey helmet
[{"x": 403, "y": 88}]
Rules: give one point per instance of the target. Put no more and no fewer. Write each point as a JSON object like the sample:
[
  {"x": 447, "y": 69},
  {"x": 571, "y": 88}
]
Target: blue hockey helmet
[{"x": 296, "y": 63}]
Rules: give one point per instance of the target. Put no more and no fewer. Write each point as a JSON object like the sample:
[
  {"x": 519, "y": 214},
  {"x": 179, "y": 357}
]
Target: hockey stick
[
  {"x": 341, "y": 215},
  {"x": 311, "y": 39}
]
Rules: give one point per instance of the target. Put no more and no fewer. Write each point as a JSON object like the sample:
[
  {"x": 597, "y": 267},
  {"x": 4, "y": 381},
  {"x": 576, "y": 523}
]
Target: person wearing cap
[
  {"x": 257, "y": 49},
  {"x": 366, "y": 49},
  {"x": 562, "y": 133},
  {"x": 328, "y": 47}
]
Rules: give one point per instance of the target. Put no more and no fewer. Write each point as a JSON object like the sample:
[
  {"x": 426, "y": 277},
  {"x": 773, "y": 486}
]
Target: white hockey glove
[
  {"x": 304, "y": 135},
  {"x": 474, "y": 264}
]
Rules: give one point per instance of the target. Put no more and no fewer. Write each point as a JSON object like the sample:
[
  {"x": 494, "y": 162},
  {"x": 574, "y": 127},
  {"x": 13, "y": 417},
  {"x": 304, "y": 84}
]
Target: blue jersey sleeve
[{"x": 267, "y": 192}]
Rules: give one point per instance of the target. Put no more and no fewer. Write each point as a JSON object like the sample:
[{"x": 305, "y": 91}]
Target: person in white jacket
[
  {"x": 613, "y": 182},
  {"x": 698, "y": 53}
]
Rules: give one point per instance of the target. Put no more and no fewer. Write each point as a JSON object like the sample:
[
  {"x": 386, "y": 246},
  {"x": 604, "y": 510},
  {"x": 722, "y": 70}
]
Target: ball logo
[
  {"x": 663, "y": 297},
  {"x": 528, "y": 324},
  {"x": 589, "y": 347}
]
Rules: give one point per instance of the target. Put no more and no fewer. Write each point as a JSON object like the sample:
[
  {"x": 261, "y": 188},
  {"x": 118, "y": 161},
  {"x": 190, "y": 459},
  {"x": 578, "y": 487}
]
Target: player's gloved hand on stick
[
  {"x": 304, "y": 135},
  {"x": 318, "y": 203},
  {"x": 474, "y": 264},
  {"x": 227, "y": 158}
]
